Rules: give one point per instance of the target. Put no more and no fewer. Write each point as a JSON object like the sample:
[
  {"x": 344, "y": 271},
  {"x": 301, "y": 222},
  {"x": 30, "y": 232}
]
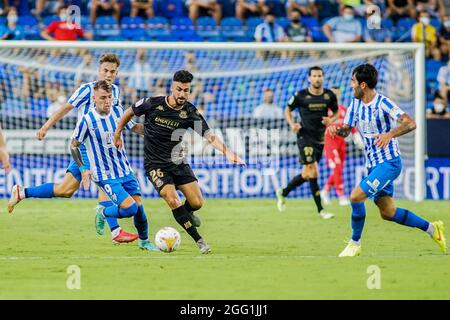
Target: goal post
[{"x": 233, "y": 78}]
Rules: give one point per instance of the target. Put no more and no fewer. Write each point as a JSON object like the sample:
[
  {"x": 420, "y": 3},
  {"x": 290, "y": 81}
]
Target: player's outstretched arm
[
  {"x": 76, "y": 155},
  {"x": 126, "y": 117},
  {"x": 58, "y": 115},
  {"x": 4, "y": 155},
  {"x": 218, "y": 144},
  {"x": 407, "y": 124}
]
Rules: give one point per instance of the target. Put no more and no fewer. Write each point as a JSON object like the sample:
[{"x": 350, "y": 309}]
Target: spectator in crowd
[
  {"x": 439, "y": 109},
  {"x": 423, "y": 31},
  {"x": 142, "y": 8},
  {"x": 190, "y": 62},
  {"x": 267, "y": 109},
  {"x": 305, "y": 7},
  {"x": 345, "y": 28},
  {"x": 11, "y": 31},
  {"x": 374, "y": 32},
  {"x": 296, "y": 31},
  {"x": 4, "y": 5},
  {"x": 397, "y": 9},
  {"x": 65, "y": 29},
  {"x": 22, "y": 6},
  {"x": 269, "y": 31},
  {"x": 198, "y": 8},
  {"x": 140, "y": 78},
  {"x": 245, "y": 8},
  {"x": 160, "y": 88},
  {"x": 104, "y": 8},
  {"x": 443, "y": 79},
  {"x": 47, "y": 7},
  {"x": 444, "y": 36},
  {"x": 357, "y": 5},
  {"x": 86, "y": 71},
  {"x": 435, "y": 8}
]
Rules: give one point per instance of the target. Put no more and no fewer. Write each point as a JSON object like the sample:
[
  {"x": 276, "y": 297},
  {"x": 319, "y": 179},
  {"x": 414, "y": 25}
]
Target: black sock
[
  {"x": 183, "y": 218},
  {"x": 315, "y": 190},
  {"x": 188, "y": 207},
  {"x": 297, "y": 181}
]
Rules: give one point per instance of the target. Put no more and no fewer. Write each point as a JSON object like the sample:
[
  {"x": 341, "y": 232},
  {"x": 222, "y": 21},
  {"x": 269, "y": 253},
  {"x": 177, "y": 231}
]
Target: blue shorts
[
  {"x": 120, "y": 189},
  {"x": 74, "y": 170},
  {"x": 380, "y": 179}
]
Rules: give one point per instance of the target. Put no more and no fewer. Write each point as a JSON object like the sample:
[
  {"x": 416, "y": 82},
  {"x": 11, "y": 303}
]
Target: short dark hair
[
  {"x": 110, "y": 57},
  {"x": 366, "y": 73},
  {"x": 314, "y": 68},
  {"x": 183, "y": 76},
  {"x": 348, "y": 7},
  {"x": 104, "y": 85}
]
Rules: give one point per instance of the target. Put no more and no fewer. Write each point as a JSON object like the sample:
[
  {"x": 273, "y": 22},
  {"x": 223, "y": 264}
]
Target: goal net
[{"x": 241, "y": 89}]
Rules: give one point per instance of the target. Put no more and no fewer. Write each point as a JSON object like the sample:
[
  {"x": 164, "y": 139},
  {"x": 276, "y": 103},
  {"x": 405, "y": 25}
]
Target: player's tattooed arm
[
  {"x": 75, "y": 151},
  {"x": 407, "y": 124},
  {"x": 339, "y": 130}
]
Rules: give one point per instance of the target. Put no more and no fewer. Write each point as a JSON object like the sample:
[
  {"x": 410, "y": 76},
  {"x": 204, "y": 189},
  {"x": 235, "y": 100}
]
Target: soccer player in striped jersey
[
  {"x": 82, "y": 101},
  {"x": 108, "y": 166},
  {"x": 376, "y": 117}
]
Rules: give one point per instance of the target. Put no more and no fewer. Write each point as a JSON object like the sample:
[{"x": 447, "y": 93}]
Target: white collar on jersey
[{"x": 372, "y": 102}]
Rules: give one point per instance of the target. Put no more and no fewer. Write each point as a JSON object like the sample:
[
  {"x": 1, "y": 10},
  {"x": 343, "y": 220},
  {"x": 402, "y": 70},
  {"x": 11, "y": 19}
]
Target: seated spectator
[
  {"x": 104, "y": 8},
  {"x": 142, "y": 8},
  {"x": 296, "y": 31},
  {"x": 443, "y": 78},
  {"x": 4, "y": 5},
  {"x": 47, "y": 7},
  {"x": 357, "y": 5},
  {"x": 198, "y": 8},
  {"x": 374, "y": 32},
  {"x": 397, "y": 9},
  {"x": 305, "y": 7},
  {"x": 65, "y": 29},
  {"x": 444, "y": 36},
  {"x": 11, "y": 31},
  {"x": 345, "y": 28},
  {"x": 269, "y": 31},
  {"x": 424, "y": 31},
  {"x": 267, "y": 109},
  {"x": 246, "y": 8},
  {"x": 435, "y": 8},
  {"x": 169, "y": 8},
  {"x": 439, "y": 109}
]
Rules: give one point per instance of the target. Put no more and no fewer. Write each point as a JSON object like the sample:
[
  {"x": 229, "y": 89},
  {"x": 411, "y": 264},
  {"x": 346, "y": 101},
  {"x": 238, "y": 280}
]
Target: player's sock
[
  {"x": 183, "y": 218},
  {"x": 141, "y": 223},
  {"x": 315, "y": 190},
  {"x": 188, "y": 207},
  {"x": 116, "y": 212},
  {"x": 297, "y": 181},
  {"x": 43, "y": 191},
  {"x": 408, "y": 218},
  {"x": 112, "y": 222},
  {"x": 358, "y": 219}
]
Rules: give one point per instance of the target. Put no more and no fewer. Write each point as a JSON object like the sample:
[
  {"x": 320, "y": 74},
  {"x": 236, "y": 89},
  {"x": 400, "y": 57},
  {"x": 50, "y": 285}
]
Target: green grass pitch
[{"x": 258, "y": 253}]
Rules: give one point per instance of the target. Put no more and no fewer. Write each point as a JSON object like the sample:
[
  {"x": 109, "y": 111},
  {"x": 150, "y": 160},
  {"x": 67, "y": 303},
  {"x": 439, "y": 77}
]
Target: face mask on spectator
[
  {"x": 63, "y": 16},
  {"x": 297, "y": 20},
  {"x": 12, "y": 19},
  {"x": 447, "y": 24},
  {"x": 425, "y": 20},
  {"x": 348, "y": 16},
  {"x": 439, "y": 107}
]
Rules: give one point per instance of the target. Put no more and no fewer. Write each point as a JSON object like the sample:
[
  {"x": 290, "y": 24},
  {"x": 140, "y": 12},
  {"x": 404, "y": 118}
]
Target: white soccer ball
[{"x": 167, "y": 239}]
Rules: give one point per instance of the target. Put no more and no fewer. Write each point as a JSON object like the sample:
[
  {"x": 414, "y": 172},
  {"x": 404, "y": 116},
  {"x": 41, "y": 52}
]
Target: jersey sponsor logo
[
  {"x": 317, "y": 106},
  {"x": 171, "y": 124},
  {"x": 326, "y": 96},
  {"x": 160, "y": 108},
  {"x": 115, "y": 101},
  {"x": 140, "y": 102},
  {"x": 183, "y": 114},
  {"x": 291, "y": 100}
]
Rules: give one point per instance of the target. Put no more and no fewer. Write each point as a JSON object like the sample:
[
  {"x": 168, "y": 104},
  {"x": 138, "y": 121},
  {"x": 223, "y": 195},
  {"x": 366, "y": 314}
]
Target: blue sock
[
  {"x": 43, "y": 191},
  {"x": 407, "y": 218},
  {"x": 141, "y": 224},
  {"x": 112, "y": 222},
  {"x": 358, "y": 219}
]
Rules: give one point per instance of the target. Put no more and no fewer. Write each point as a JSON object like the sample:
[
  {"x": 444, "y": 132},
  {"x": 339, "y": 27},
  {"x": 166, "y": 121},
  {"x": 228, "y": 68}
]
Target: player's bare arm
[
  {"x": 138, "y": 129},
  {"x": 76, "y": 155},
  {"x": 58, "y": 115},
  {"x": 290, "y": 120},
  {"x": 126, "y": 117},
  {"x": 217, "y": 143},
  {"x": 407, "y": 124},
  {"x": 340, "y": 130},
  {"x": 328, "y": 120}
]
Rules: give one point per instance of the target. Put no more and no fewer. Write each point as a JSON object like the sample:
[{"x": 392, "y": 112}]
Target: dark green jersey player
[
  {"x": 313, "y": 105},
  {"x": 166, "y": 121}
]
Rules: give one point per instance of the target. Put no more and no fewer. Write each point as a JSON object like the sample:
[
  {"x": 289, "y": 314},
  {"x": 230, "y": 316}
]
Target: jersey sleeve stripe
[
  {"x": 83, "y": 94},
  {"x": 81, "y": 130}
]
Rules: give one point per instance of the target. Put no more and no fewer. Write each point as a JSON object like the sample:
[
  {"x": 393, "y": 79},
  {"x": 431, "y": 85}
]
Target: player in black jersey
[
  {"x": 313, "y": 104},
  {"x": 166, "y": 121}
]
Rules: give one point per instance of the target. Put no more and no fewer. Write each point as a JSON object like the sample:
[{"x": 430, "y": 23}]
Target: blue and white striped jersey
[
  {"x": 96, "y": 132},
  {"x": 376, "y": 117},
  {"x": 82, "y": 100}
]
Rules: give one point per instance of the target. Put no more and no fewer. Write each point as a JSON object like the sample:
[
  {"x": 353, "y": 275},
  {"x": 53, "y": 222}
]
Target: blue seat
[
  {"x": 232, "y": 28},
  {"x": 86, "y": 23},
  {"x": 431, "y": 69},
  {"x": 387, "y": 23},
  {"x": 251, "y": 25},
  {"x": 436, "y": 23},
  {"x": 158, "y": 26},
  {"x": 132, "y": 27},
  {"x": 406, "y": 23},
  {"x": 30, "y": 27},
  {"x": 106, "y": 26},
  {"x": 401, "y": 34},
  {"x": 207, "y": 27},
  {"x": 318, "y": 35},
  {"x": 310, "y": 22},
  {"x": 182, "y": 27},
  {"x": 283, "y": 22}
]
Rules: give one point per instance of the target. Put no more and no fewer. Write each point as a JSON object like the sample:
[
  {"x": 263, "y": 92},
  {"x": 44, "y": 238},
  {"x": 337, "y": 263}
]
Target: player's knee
[
  {"x": 196, "y": 203},
  {"x": 63, "y": 192},
  {"x": 173, "y": 202},
  {"x": 355, "y": 197},
  {"x": 129, "y": 211}
]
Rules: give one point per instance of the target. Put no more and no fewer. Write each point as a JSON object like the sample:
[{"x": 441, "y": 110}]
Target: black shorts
[
  {"x": 176, "y": 175},
  {"x": 310, "y": 151}
]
